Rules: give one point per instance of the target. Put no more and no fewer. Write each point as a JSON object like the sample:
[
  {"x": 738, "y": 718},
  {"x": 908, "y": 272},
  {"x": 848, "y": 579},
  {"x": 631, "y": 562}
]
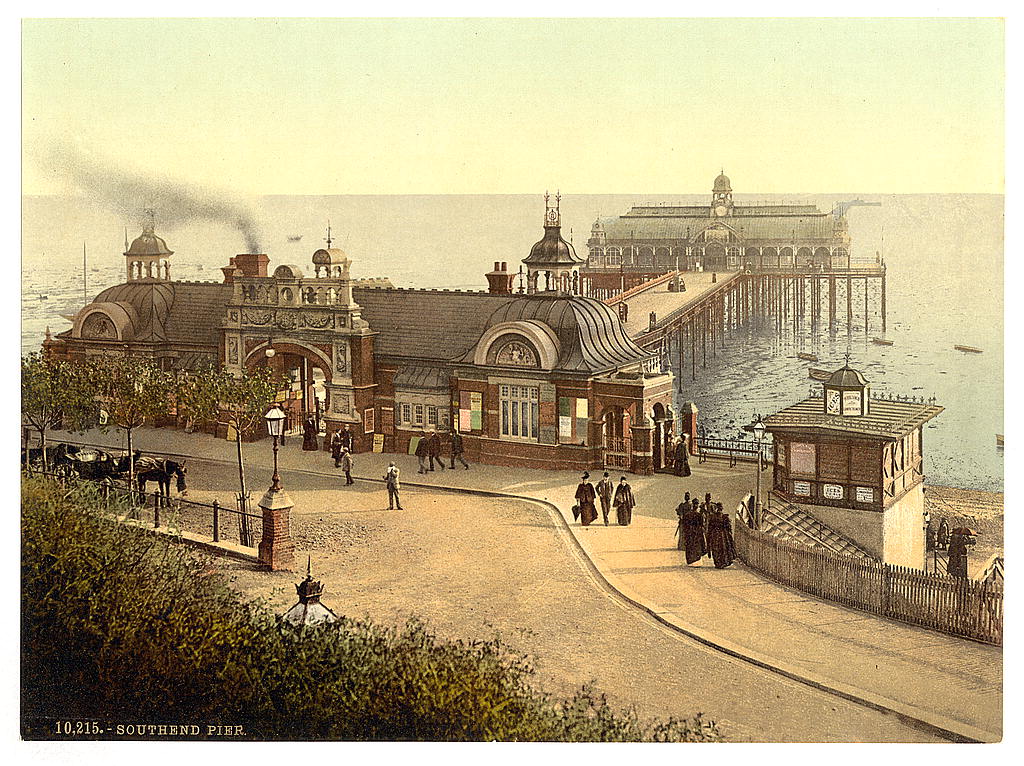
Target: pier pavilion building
[
  {"x": 547, "y": 378},
  {"x": 722, "y": 235}
]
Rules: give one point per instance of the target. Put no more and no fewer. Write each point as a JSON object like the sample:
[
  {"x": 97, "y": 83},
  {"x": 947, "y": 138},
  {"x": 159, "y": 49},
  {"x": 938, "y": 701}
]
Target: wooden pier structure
[{"x": 686, "y": 315}]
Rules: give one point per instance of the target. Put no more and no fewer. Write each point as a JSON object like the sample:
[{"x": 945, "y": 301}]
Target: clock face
[
  {"x": 832, "y": 403},
  {"x": 720, "y": 209},
  {"x": 552, "y": 216}
]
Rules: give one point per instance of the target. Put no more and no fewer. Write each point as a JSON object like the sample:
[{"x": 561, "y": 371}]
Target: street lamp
[
  {"x": 270, "y": 349},
  {"x": 758, "y": 436},
  {"x": 275, "y": 423}
]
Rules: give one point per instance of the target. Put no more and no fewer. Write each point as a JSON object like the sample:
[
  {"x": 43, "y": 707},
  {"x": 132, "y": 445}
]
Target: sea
[{"x": 944, "y": 255}]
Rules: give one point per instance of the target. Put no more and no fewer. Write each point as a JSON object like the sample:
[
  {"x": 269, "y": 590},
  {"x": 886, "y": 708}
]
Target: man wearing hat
[
  {"x": 392, "y": 483},
  {"x": 604, "y": 491},
  {"x": 585, "y": 496}
]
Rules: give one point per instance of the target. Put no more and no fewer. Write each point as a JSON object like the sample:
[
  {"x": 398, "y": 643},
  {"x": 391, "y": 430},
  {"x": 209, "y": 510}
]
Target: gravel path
[{"x": 472, "y": 567}]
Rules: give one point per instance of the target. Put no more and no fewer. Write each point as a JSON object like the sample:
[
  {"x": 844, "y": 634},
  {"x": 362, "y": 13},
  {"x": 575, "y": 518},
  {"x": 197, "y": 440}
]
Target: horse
[
  {"x": 56, "y": 455},
  {"x": 160, "y": 470}
]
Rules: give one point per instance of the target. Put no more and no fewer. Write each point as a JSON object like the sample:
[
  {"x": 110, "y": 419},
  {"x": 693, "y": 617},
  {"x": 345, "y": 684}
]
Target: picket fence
[{"x": 961, "y": 607}]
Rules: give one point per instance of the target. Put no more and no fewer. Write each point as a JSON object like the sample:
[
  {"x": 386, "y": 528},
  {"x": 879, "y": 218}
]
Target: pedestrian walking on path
[
  {"x": 959, "y": 541},
  {"x": 682, "y": 461},
  {"x": 942, "y": 539},
  {"x": 624, "y": 502},
  {"x": 336, "y": 448},
  {"x": 347, "y": 440},
  {"x": 585, "y": 496},
  {"x": 309, "y": 429},
  {"x": 691, "y": 531},
  {"x": 434, "y": 450},
  {"x": 458, "y": 449},
  {"x": 422, "y": 451},
  {"x": 605, "y": 488},
  {"x": 720, "y": 540},
  {"x": 393, "y": 485},
  {"x": 346, "y": 465}
]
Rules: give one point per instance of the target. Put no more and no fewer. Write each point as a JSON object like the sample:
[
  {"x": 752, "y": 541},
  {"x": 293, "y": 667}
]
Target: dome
[
  {"x": 722, "y": 183},
  {"x": 330, "y": 256},
  {"x": 846, "y": 377},
  {"x": 148, "y": 243},
  {"x": 598, "y": 226},
  {"x": 553, "y": 250}
]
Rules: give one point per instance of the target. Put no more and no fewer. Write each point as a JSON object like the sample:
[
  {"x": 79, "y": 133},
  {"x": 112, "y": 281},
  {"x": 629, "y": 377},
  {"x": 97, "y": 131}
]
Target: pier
[{"x": 686, "y": 315}]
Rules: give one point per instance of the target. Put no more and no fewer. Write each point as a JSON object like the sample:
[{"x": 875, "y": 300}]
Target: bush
[{"x": 120, "y": 625}]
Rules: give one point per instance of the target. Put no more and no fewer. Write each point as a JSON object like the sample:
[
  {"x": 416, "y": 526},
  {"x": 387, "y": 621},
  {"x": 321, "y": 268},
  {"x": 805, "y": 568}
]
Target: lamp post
[
  {"x": 758, "y": 436},
  {"x": 275, "y": 422}
]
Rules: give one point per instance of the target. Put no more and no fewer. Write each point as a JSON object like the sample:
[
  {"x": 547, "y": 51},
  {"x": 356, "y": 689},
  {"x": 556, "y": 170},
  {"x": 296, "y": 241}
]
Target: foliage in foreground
[{"x": 122, "y": 626}]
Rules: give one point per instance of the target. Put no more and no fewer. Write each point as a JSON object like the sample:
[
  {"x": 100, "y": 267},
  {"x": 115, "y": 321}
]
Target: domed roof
[
  {"x": 598, "y": 226},
  {"x": 590, "y": 335},
  {"x": 148, "y": 243},
  {"x": 553, "y": 250},
  {"x": 722, "y": 182},
  {"x": 846, "y": 377},
  {"x": 330, "y": 256}
]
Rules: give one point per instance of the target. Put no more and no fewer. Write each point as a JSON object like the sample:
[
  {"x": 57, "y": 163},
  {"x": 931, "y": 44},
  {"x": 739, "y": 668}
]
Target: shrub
[{"x": 121, "y": 625}]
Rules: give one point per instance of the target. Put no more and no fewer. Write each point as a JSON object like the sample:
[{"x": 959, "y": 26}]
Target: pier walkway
[{"x": 942, "y": 684}]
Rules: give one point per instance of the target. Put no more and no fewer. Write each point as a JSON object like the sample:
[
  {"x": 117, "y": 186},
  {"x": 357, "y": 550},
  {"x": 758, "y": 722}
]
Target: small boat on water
[
  {"x": 44, "y": 297},
  {"x": 815, "y": 374},
  {"x": 807, "y": 357},
  {"x": 999, "y": 440},
  {"x": 294, "y": 237},
  {"x": 968, "y": 349},
  {"x": 882, "y": 341}
]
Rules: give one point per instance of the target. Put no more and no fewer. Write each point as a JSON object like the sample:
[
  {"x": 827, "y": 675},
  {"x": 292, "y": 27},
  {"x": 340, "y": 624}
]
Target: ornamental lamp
[{"x": 275, "y": 420}]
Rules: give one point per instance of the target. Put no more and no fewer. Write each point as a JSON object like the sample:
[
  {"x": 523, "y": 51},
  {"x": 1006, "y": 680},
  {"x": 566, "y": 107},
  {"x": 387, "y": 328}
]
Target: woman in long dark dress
[
  {"x": 681, "y": 509},
  {"x": 691, "y": 533},
  {"x": 624, "y": 502},
  {"x": 720, "y": 540},
  {"x": 959, "y": 541},
  {"x": 309, "y": 429},
  {"x": 585, "y": 496}
]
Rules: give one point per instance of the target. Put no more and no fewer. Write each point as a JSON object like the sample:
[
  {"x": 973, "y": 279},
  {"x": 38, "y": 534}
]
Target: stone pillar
[
  {"x": 688, "y": 425},
  {"x": 276, "y": 549},
  {"x": 643, "y": 456}
]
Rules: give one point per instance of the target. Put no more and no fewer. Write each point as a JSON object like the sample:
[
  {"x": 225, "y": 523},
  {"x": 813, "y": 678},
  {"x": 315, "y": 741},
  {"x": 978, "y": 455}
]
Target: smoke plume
[{"x": 132, "y": 194}]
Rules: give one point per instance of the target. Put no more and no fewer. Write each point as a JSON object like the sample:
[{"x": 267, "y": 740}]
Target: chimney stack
[
  {"x": 252, "y": 264},
  {"x": 499, "y": 281}
]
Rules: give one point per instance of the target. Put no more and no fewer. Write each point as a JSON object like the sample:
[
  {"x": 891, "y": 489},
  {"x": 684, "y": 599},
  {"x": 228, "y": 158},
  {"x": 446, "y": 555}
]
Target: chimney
[
  {"x": 499, "y": 281},
  {"x": 252, "y": 264}
]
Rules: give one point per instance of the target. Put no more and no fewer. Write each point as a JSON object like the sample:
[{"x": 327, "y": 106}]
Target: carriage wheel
[{"x": 66, "y": 471}]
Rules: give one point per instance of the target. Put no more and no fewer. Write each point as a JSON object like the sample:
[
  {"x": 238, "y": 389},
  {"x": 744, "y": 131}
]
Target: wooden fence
[{"x": 962, "y": 607}]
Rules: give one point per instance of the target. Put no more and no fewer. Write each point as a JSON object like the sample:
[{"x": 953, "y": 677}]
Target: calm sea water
[{"x": 945, "y": 287}]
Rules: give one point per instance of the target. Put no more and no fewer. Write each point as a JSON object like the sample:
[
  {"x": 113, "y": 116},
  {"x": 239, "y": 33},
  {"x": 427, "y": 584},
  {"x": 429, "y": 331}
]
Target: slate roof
[
  {"x": 175, "y": 312},
  {"x": 415, "y": 376},
  {"x": 446, "y": 326},
  {"x": 426, "y": 324},
  {"x": 885, "y": 419}
]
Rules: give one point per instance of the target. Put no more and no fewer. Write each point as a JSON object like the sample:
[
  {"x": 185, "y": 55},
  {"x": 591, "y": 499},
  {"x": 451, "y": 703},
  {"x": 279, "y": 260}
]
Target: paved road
[{"x": 472, "y": 566}]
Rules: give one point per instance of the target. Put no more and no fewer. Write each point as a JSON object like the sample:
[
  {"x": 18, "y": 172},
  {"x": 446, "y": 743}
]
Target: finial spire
[
  {"x": 328, "y": 240},
  {"x": 150, "y": 224},
  {"x": 126, "y": 239},
  {"x": 847, "y": 355}
]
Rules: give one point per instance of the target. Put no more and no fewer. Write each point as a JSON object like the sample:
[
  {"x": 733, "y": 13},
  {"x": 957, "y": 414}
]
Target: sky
[{"x": 407, "y": 106}]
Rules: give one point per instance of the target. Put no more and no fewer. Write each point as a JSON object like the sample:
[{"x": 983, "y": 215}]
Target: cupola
[{"x": 846, "y": 392}]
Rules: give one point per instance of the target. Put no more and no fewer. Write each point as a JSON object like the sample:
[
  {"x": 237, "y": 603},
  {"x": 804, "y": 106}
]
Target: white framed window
[
  {"x": 406, "y": 414},
  {"x": 431, "y": 415},
  {"x": 520, "y": 411},
  {"x": 417, "y": 414}
]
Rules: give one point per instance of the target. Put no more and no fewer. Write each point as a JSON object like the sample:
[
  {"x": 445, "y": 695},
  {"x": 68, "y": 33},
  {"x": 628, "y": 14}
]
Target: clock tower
[{"x": 721, "y": 197}]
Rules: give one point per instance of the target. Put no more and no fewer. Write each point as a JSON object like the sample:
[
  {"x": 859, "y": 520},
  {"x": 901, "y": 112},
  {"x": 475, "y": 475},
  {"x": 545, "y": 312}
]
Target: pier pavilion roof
[
  {"x": 784, "y": 223},
  {"x": 886, "y": 419}
]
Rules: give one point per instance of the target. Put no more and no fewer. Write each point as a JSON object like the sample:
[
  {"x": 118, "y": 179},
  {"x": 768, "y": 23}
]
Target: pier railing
[
  {"x": 734, "y": 449},
  {"x": 958, "y": 606}
]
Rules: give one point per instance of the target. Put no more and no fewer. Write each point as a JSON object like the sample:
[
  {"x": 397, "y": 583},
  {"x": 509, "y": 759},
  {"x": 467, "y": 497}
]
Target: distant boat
[
  {"x": 294, "y": 237},
  {"x": 999, "y": 440},
  {"x": 882, "y": 342},
  {"x": 807, "y": 357},
  {"x": 44, "y": 297},
  {"x": 200, "y": 267},
  {"x": 968, "y": 349},
  {"x": 818, "y": 374}
]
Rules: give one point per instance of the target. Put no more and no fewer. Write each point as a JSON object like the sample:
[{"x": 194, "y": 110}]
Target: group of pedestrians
[
  {"x": 620, "y": 496},
  {"x": 705, "y": 529},
  {"x": 428, "y": 451},
  {"x": 341, "y": 450}
]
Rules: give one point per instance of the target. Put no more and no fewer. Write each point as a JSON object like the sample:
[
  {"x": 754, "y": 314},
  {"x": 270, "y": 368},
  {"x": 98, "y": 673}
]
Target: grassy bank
[{"x": 122, "y": 627}]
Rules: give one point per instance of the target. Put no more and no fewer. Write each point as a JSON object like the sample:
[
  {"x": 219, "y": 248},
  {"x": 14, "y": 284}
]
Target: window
[
  {"x": 801, "y": 458},
  {"x": 406, "y": 416},
  {"x": 432, "y": 416},
  {"x": 572, "y": 420},
  {"x": 417, "y": 414},
  {"x": 519, "y": 411}
]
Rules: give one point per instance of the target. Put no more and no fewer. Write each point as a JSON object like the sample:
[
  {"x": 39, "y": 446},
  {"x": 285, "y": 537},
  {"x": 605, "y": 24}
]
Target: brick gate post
[{"x": 276, "y": 549}]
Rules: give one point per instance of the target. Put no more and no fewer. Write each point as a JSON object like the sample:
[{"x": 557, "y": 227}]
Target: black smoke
[{"x": 132, "y": 194}]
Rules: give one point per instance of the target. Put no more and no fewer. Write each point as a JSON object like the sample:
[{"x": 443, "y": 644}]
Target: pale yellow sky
[{"x": 517, "y": 106}]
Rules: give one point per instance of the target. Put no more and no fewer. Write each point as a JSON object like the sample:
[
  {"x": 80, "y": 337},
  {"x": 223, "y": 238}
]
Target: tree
[
  {"x": 132, "y": 390},
  {"x": 209, "y": 395},
  {"x": 55, "y": 393}
]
